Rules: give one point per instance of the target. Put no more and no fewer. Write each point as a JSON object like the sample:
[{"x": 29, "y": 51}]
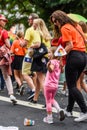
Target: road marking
[{"x": 37, "y": 106}]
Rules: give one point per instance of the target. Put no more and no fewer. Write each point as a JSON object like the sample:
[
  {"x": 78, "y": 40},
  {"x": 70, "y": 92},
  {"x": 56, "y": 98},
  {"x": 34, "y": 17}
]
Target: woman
[
  {"x": 81, "y": 83},
  {"x": 39, "y": 64},
  {"x": 6, "y": 69},
  {"x": 76, "y": 59}
]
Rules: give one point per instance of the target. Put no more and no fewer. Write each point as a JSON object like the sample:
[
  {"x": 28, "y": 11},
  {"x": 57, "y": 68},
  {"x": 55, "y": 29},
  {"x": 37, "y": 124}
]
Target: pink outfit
[{"x": 51, "y": 86}]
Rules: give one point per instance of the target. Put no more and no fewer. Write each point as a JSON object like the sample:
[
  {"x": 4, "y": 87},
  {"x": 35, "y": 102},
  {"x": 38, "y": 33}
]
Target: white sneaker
[
  {"x": 68, "y": 114},
  {"x": 48, "y": 120},
  {"x": 13, "y": 99},
  {"x": 82, "y": 117},
  {"x": 61, "y": 115}
]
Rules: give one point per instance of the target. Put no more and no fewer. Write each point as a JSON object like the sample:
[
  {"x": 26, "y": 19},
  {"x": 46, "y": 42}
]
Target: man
[
  {"x": 4, "y": 41},
  {"x": 31, "y": 36}
]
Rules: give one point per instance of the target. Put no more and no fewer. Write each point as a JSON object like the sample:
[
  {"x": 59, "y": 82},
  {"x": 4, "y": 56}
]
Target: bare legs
[{"x": 39, "y": 85}]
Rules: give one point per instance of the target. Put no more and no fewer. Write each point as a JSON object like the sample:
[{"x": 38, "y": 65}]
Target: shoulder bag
[{"x": 41, "y": 51}]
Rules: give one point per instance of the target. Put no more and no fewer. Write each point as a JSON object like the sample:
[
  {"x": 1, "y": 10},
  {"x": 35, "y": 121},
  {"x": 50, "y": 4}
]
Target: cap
[
  {"x": 2, "y": 17},
  {"x": 60, "y": 51},
  {"x": 33, "y": 16}
]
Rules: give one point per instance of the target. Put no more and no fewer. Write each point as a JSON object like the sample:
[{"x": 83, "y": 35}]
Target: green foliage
[{"x": 17, "y": 11}]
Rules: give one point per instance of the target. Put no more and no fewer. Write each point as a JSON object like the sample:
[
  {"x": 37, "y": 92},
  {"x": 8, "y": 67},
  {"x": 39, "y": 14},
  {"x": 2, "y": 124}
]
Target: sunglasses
[
  {"x": 3, "y": 20},
  {"x": 29, "y": 18},
  {"x": 54, "y": 21}
]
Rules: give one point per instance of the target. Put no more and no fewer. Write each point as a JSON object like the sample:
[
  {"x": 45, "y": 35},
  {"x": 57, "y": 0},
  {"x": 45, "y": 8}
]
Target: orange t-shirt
[
  {"x": 17, "y": 49},
  {"x": 69, "y": 33}
]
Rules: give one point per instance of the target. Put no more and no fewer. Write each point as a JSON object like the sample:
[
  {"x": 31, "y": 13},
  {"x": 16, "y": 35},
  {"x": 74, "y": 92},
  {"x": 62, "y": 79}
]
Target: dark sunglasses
[
  {"x": 54, "y": 21},
  {"x": 29, "y": 19}
]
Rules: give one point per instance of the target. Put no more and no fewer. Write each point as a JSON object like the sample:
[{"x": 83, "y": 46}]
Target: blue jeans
[
  {"x": 2, "y": 80},
  {"x": 76, "y": 62}
]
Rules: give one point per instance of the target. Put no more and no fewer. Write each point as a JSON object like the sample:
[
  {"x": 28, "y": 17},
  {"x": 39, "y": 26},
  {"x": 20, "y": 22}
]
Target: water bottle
[
  {"x": 28, "y": 122},
  {"x": 27, "y": 57}
]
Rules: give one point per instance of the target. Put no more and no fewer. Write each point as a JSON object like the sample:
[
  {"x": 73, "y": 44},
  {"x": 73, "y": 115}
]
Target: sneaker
[
  {"x": 48, "y": 120},
  {"x": 68, "y": 114},
  {"x": 13, "y": 99},
  {"x": 44, "y": 106},
  {"x": 22, "y": 90},
  {"x": 18, "y": 92},
  {"x": 82, "y": 117},
  {"x": 31, "y": 95},
  {"x": 61, "y": 115},
  {"x": 33, "y": 101}
]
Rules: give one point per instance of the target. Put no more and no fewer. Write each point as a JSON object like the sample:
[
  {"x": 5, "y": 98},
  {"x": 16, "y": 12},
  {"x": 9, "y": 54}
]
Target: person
[
  {"x": 56, "y": 42},
  {"x": 19, "y": 53},
  {"x": 75, "y": 61},
  {"x": 12, "y": 37},
  {"x": 81, "y": 83},
  {"x": 39, "y": 64},
  {"x": 31, "y": 36},
  {"x": 51, "y": 84},
  {"x": 4, "y": 41},
  {"x": 2, "y": 82}
]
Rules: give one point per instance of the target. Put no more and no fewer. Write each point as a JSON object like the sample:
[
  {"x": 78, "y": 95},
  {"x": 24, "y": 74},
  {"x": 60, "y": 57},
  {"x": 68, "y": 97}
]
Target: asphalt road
[{"x": 13, "y": 115}]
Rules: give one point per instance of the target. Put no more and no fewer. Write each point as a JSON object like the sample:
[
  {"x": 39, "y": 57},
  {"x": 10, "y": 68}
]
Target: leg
[
  {"x": 9, "y": 86},
  {"x": 48, "y": 96},
  {"x": 83, "y": 84},
  {"x": 17, "y": 76},
  {"x": 26, "y": 67},
  {"x": 73, "y": 70},
  {"x": 39, "y": 85}
]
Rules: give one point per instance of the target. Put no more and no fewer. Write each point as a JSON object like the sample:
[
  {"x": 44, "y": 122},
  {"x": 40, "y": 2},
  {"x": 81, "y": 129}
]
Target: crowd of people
[{"x": 43, "y": 73}]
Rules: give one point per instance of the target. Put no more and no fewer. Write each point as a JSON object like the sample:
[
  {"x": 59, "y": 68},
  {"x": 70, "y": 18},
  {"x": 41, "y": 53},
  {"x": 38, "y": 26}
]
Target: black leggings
[{"x": 76, "y": 61}]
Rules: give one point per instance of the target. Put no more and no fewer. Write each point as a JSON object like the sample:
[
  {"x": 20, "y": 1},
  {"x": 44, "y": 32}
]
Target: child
[{"x": 51, "y": 83}]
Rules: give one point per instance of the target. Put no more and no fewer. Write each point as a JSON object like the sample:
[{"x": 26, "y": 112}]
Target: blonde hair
[
  {"x": 42, "y": 28},
  {"x": 20, "y": 34}
]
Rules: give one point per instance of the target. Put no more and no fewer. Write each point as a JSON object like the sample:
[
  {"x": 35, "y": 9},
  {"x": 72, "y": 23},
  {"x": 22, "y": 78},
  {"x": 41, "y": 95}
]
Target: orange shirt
[
  {"x": 17, "y": 49},
  {"x": 69, "y": 33}
]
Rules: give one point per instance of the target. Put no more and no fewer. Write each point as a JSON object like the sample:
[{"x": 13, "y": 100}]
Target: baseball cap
[{"x": 2, "y": 17}]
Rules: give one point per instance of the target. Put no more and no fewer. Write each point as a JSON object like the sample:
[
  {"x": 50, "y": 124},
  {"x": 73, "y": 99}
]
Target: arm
[
  {"x": 50, "y": 66},
  {"x": 23, "y": 43},
  {"x": 7, "y": 43},
  {"x": 35, "y": 45},
  {"x": 68, "y": 47}
]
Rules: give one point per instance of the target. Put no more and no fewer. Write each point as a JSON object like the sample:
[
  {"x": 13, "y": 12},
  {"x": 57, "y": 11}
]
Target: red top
[{"x": 3, "y": 36}]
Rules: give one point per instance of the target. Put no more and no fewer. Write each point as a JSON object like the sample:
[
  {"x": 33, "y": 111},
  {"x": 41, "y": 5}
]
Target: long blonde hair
[{"x": 42, "y": 28}]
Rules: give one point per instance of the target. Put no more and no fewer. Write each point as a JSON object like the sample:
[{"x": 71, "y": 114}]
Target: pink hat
[{"x": 2, "y": 17}]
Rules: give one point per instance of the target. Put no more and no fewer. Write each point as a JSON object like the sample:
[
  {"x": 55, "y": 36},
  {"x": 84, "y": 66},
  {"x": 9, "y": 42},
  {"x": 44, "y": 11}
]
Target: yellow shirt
[
  {"x": 32, "y": 36},
  {"x": 47, "y": 44}
]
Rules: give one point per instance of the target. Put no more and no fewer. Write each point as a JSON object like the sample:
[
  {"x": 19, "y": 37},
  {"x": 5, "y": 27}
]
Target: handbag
[{"x": 41, "y": 51}]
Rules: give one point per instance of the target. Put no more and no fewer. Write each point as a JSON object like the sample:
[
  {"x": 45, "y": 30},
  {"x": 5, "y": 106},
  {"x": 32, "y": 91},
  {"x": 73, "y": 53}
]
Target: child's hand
[{"x": 50, "y": 67}]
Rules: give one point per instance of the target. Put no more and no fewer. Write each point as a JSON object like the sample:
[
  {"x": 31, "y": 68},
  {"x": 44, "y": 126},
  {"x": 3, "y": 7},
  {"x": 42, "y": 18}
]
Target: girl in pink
[{"x": 51, "y": 84}]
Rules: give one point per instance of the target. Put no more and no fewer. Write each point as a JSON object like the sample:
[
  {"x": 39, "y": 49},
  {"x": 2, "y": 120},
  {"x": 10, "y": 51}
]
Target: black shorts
[
  {"x": 39, "y": 65},
  {"x": 17, "y": 62}
]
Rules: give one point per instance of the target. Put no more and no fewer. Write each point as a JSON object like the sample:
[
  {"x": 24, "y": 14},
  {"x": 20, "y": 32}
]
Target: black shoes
[
  {"x": 22, "y": 90},
  {"x": 32, "y": 93},
  {"x": 33, "y": 101}
]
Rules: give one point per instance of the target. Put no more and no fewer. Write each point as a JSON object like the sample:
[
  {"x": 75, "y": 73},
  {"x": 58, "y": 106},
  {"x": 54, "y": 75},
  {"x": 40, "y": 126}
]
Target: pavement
[{"x": 14, "y": 115}]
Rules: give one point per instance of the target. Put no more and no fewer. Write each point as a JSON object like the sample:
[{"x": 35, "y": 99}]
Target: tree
[{"x": 18, "y": 10}]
